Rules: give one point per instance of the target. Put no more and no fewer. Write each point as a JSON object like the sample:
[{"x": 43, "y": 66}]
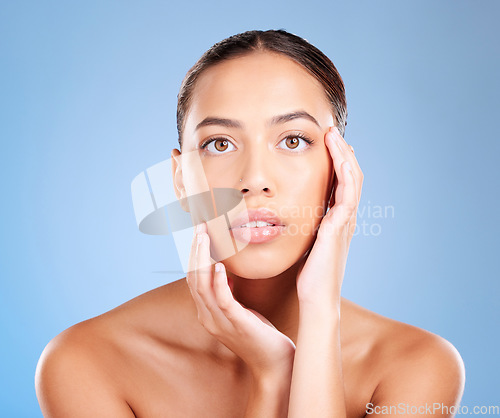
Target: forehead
[{"x": 256, "y": 87}]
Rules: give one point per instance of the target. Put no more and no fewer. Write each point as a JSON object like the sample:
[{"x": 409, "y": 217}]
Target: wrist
[
  {"x": 320, "y": 312},
  {"x": 319, "y": 298},
  {"x": 277, "y": 377},
  {"x": 275, "y": 385},
  {"x": 269, "y": 395}
]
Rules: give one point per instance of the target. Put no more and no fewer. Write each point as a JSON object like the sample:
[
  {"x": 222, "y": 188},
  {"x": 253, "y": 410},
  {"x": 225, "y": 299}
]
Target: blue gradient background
[{"x": 88, "y": 95}]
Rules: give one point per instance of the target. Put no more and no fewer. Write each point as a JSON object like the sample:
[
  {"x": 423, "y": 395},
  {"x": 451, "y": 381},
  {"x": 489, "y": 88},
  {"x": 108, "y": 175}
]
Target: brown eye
[
  {"x": 218, "y": 146},
  {"x": 223, "y": 144},
  {"x": 292, "y": 142}
]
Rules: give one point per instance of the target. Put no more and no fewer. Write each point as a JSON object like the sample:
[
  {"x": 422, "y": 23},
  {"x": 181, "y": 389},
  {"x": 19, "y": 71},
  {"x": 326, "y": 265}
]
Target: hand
[
  {"x": 247, "y": 333},
  {"x": 320, "y": 279}
]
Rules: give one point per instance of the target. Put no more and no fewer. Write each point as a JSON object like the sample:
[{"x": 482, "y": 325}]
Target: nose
[{"x": 258, "y": 173}]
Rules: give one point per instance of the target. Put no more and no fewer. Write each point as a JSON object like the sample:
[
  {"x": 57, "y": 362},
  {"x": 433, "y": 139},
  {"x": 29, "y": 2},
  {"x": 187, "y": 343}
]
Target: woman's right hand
[{"x": 248, "y": 334}]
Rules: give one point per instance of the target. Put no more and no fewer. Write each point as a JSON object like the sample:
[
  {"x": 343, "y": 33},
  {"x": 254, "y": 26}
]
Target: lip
[
  {"x": 256, "y": 235},
  {"x": 260, "y": 214}
]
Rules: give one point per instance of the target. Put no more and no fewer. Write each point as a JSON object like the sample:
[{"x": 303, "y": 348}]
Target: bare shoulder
[
  {"x": 416, "y": 366},
  {"x": 70, "y": 379},
  {"x": 78, "y": 373}
]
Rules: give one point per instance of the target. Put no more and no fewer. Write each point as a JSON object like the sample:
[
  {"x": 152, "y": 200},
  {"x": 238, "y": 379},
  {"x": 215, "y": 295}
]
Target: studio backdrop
[{"x": 88, "y": 103}]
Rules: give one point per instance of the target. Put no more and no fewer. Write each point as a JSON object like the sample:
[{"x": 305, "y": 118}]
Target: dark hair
[{"x": 279, "y": 41}]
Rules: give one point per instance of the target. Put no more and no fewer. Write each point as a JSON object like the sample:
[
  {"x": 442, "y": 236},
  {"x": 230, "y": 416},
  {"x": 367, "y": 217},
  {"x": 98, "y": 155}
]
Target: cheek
[
  {"x": 309, "y": 191},
  {"x": 310, "y": 185}
]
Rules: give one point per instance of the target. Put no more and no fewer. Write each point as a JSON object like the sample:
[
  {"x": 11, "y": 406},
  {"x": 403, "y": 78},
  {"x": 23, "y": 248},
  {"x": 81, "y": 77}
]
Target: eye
[
  {"x": 217, "y": 145},
  {"x": 292, "y": 141}
]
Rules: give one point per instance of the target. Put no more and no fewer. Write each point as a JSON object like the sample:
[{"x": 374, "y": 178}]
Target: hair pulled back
[{"x": 278, "y": 41}]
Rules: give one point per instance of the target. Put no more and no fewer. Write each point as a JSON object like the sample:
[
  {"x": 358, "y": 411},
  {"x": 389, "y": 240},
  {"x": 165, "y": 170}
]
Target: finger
[
  {"x": 203, "y": 313},
  {"x": 192, "y": 255},
  {"x": 358, "y": 177},
  {"x": 347, "y": 148},
  {"x": 204, "y": 276},
  {"x": 349, "y": 156},
  {"x": 203, "y": 279},
  {"x": 339, "y": 190},
  {"x": 349, "y": 200},
  {"x": 338, "y": 158},
  {"x": 223, "y": 295},
  {"x": 190, "y": 276},
  {"x": 205, "y": 285},
  {"x": 348, "y": 153}
]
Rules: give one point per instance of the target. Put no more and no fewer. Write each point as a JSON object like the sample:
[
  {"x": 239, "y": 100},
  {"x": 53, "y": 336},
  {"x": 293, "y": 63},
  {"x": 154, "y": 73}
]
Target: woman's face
[{"x": 287, "y": 175}]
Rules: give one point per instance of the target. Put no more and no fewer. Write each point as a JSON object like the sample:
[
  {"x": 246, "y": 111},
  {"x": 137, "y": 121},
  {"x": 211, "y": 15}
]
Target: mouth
[
  {"x": 257, "y": 234},
  {"x": 256, "y": 218},
  {"x": 257, "y": 226}
]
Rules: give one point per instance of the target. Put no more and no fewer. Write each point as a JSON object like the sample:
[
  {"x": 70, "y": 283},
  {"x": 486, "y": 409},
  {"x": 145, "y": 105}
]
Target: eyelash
[{"x": 299, "y": 135}]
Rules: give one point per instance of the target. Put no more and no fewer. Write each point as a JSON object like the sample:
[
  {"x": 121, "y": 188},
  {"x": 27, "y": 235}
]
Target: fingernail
[
  {"x": 199, "y": 238},
  {"x": 348, "y": 166},
  {"x": 217, "y": 267},
  {"x": 198, "y": 228}
]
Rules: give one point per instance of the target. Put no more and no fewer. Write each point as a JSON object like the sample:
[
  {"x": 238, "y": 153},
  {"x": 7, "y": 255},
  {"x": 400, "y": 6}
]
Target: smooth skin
[
  {"x": 270, "y": 355},
  {"x": 271, "y": 338}
]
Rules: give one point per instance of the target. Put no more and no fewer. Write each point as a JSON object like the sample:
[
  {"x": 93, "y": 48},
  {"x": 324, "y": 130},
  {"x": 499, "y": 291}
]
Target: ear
[{"x": 180, "y": 190}]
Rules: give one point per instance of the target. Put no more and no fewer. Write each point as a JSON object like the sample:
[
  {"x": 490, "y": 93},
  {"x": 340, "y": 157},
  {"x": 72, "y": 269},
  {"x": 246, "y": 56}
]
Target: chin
[
  {"x": 249, "y": 265},
  {"x": 252, "y": 272},
  {"x": 262, "y": 260}
]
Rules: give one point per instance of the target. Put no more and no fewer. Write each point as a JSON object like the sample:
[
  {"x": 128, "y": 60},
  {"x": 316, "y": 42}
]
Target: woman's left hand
[{"x": 320, "y": 279}]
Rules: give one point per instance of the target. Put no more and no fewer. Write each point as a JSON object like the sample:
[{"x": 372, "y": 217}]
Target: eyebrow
[{"x": 231, "y": 123}]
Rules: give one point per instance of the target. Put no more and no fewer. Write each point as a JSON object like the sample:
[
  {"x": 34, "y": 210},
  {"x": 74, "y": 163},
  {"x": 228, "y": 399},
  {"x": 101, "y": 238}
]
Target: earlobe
[{"x": 180, "y": 190}]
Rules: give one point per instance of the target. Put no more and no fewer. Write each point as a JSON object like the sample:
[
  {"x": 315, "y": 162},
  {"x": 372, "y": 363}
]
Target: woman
[{"x": 264, "y": 332}]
